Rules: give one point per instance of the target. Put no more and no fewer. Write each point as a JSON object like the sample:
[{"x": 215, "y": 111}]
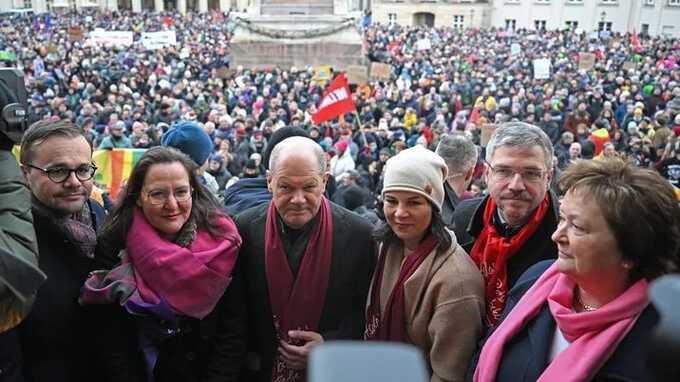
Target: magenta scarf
[
  {"x": 593, "y": 336},
  {"x": 297, "y": 302},
  {"x": 191, "y": 280},
  {"x": 391, "y": 324}
]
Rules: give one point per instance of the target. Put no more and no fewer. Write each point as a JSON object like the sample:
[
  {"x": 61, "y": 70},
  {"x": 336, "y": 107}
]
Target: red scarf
[
  {"x": 297, "y": 302},
  {"x": 491, "y": 253},
  {"x": 392, "y": 326},
  {"x": 593, "y": 336}
]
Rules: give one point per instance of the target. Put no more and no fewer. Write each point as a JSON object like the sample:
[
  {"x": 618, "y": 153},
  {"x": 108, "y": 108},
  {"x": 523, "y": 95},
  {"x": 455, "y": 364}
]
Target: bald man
[{"x": 307, "y": 263}]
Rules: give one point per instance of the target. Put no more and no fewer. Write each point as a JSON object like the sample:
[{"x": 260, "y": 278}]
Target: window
[
  {"x": 539, "y": 25},
  {"x": 458, "y": 21},
  {"x": 609, "y": 2},
  {"x": 648, "y": 2},
  {"x": 644, "y": 29},
  {"x": 542, "y": 1},
  {"x": 515, "y": 1},
  {"x": 571, "y": 25},
  {"x": 391, "y": 18},
  {"x": 510, "y": 24},
  {"x": 575, "y": 2},
  {"x": 674, "y": 3},
  {"x": 604, "y": 26}
]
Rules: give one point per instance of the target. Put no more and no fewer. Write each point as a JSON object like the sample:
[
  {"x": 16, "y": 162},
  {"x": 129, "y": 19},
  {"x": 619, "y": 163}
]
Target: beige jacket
[{"x": 444, "y": 302}]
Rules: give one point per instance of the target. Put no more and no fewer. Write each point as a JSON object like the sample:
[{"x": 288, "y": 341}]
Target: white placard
[
  {"x": 424, "y": 44},
  {"x": 110, "y": 38},
  {"x": 541, "y": 69},
  {"x": 515, "y": 49},
  {"x": 158, "y": 40}
]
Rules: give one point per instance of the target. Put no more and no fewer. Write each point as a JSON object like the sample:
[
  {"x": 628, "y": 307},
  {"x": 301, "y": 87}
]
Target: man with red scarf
[
  {"x": 307, "y": 265},
  {"x": 509, "y": 230}
]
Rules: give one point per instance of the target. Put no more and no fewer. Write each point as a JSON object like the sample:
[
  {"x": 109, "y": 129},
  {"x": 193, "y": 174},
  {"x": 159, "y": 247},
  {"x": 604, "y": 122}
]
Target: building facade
[
  {"x": 437, "y": 13},
  {"x": 652, "y": 17}
]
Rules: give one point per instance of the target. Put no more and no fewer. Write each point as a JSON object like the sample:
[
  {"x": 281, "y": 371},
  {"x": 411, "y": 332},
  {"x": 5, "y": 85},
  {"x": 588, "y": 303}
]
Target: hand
[{"x": 296, "y": 356}]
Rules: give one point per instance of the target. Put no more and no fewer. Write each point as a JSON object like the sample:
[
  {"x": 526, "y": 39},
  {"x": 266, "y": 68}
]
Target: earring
[{"x": 627, "y": 265}]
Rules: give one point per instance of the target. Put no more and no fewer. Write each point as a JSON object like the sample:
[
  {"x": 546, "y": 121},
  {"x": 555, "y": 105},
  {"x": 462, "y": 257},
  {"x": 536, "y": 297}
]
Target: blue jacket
[
  {"x": 246, "y": 193},
  {"x": 526, "y": 356}
]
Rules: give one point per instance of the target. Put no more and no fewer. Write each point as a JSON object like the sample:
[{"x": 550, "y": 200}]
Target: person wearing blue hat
[{"x": 190, "y": 138}]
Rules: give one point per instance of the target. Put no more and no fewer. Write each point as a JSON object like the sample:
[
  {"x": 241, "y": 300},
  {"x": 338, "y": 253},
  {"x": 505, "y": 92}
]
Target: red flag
[
  {"x": 635, "y": 42},
  {"x": 336, "y": 101}
]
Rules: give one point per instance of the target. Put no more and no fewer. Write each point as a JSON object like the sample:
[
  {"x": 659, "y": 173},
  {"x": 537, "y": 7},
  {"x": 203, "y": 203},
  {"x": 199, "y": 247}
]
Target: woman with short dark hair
[
  {"x": 587, "y": 316},
  {"x": 426, "y": 290}
]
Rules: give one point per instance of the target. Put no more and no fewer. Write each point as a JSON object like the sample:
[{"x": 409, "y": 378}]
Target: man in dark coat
[
  {"x": 460, "y": 155},
  {"x": 509, "y": 230},
  {"x": 307, "y": 265},
  {"x": 54, "y": 339}
]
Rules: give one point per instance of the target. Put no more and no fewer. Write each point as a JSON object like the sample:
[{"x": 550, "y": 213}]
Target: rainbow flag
[{"x": 114, "y": 167}]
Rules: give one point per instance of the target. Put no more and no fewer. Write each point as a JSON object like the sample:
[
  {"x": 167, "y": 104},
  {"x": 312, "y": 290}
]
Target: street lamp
[
  {"x": 603, "y": 16},
  {"x": 472, "y": 18}
]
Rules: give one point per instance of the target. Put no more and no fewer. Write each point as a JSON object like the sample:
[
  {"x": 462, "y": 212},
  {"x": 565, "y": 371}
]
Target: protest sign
[
  {"x": 115, "y": 38},
  {"x": 541, "y": 69},
  {"x": 158, "y": 40},
  {"x": 75, "y": 33},
  {"x": 357, "y": 74},
  {"x": 586, "y": 61},
  {"x": 515, "y": 49},
  {"x": 424, "y": 44},
  {"x": 380, "y": 71}
]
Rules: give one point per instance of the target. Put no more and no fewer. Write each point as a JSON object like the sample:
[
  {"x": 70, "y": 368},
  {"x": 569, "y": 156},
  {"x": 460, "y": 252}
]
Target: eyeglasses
[
  {"x": 507, "y": 173},
  {"x": 161, "y": 197},
  {"x": 60, "y": 174}
]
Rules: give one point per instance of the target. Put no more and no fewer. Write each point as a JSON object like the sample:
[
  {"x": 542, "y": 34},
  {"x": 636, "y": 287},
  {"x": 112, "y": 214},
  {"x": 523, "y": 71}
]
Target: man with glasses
[
  {"x": 509, "y": 230},
  {"x": 56, "y": 161}
]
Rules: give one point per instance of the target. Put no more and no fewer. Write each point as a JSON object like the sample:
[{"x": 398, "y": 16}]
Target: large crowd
[
  {"x": 503, "y": 217},
  {"x": 128, "y": 96}
]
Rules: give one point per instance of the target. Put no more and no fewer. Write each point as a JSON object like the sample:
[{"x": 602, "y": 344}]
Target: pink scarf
[
  {"x": 593, "y": 336},
  {"x": 191, "y": 280}
]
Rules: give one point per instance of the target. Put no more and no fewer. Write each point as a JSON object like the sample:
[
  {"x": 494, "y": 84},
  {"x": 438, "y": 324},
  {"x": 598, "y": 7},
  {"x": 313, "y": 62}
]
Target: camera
[{"x": 14, "y": 104}]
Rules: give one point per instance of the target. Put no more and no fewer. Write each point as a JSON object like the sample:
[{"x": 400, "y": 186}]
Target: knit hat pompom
[
  {"x": 417, "y": 170},
  {"x": 189, "y": 138}
]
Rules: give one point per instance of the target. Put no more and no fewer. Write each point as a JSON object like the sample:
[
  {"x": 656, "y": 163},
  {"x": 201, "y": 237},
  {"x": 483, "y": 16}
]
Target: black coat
[
  {"x": 526, "y": 356},
  {"x": 468, "y": 223},
  {"x": 211, "y": 349},
  {"x": 54, "y": 342},
  {"x": 449, "y": 205},
  {"x": 342, "y": 317}
]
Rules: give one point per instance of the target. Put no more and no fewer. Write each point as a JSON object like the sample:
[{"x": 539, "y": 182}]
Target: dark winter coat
[{"x": 342, "y": 317}]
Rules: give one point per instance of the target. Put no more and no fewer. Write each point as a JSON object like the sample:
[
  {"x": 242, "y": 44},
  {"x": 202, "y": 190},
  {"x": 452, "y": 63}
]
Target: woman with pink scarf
[
  {"x": 178, "y": 315},
  {"x": 587, "y": 315}
]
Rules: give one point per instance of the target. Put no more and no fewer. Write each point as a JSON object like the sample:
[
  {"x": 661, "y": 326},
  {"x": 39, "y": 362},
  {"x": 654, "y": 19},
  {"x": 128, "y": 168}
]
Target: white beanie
[{"x": 417, "y": 170}]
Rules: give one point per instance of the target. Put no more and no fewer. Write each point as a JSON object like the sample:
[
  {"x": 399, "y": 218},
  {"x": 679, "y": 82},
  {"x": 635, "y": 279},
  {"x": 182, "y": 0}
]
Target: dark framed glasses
[{"x": 60, "y": 174}]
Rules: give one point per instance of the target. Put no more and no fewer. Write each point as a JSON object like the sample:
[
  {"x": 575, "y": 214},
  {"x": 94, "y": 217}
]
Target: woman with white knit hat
[{"x": 426, "y": 290}]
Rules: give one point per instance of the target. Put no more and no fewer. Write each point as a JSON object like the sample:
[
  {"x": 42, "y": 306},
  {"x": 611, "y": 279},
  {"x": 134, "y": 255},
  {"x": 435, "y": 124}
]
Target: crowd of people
[{"x": 507, "y": 226}]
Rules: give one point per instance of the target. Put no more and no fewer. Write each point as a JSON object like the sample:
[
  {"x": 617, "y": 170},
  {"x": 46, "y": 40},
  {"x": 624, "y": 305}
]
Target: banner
[
  {"x": 110, "y": 38},
  {"x": 541, "y": 69},
  {"x": 336, "y": 100},
  {"x": 114, "y": 167},
  {"x": 158, "y": 40},
  {"x": 586, "y": 61}
]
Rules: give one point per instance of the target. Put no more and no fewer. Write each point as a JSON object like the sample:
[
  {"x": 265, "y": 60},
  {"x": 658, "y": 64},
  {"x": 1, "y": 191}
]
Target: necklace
[{"x": 586, "y": 307}]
